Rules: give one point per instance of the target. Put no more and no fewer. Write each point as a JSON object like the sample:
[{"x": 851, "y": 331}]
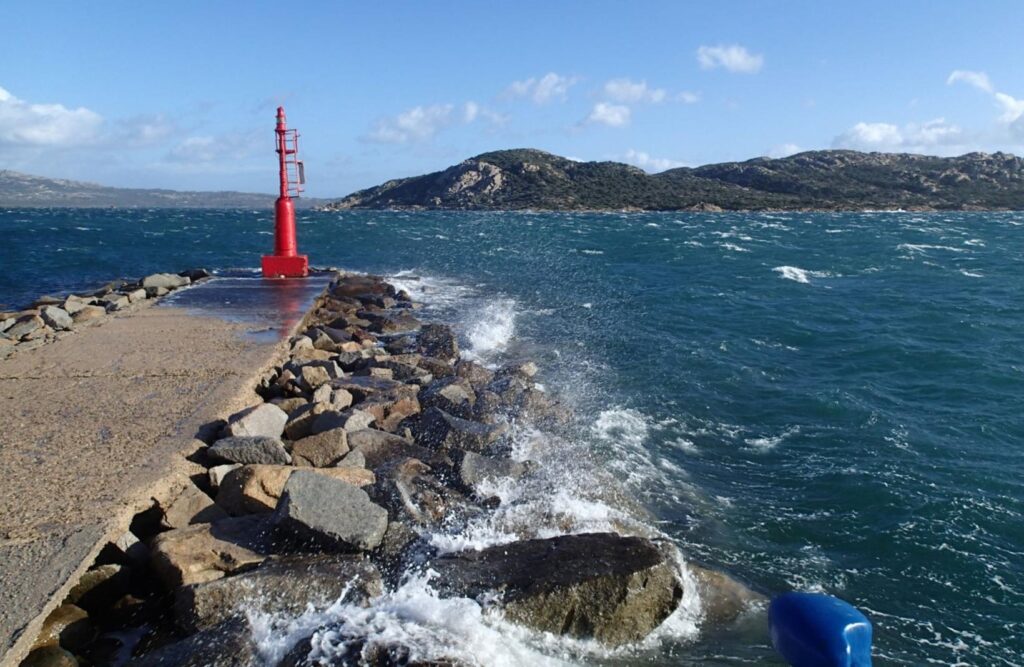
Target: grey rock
[
  {"x": 156, "y": 292},
  {"x": 250, "y": 449},
  {"x": 440, "y": 430},
  {"x": 195, "y": 274},
  {"x": 6, "y": 323},
  {"x": 114, "y": 302},
  {"x": 137, "y": 295},
  {"x": 278, "y": 586},
  {"x": 228, "y": 644},
  {"x": 412, "y": 493},
  {"x": 218, "y": 473},
  {"x": 320, "y": 513},
  {"x": 378, "y": 447},
  {"x": 454, "y": 395},
  {"x": 165, "y": 280},
  {"x": 438, "y": 340},
  {"x": 208, "y": 551},
  {"x": 300, "y": 420},
  {"x": 477, "y": 374},
  {"x": 474, "y": 469},
  {"x": 265, "y": 419},
  {"x": 352, "y": 419},
  {"x": 88, "y": 314},
  {"x": 603, "y": 586},
  {"x": 362, "y": 387},
  {"x": 23, "y": 326},
  {"x": 56, "y": 318},
  {"x": 352, "y": 460}
]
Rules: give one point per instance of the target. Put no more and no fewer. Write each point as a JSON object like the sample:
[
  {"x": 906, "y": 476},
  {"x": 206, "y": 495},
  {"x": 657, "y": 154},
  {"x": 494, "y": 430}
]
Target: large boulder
[
  {"x": 390, "y": 409},
  {"x": 250, "y": 449},
  {"x": 88, "y": 314},
  {"x": 165, "y": 280},
  {"x": 444, "y": 431},
  {"x": 603, "y": 586},
  {"x": 189, "y": 507},
  {"x": 323, "y": 514},
  {"x": 265, "y": 419},
  {"x": 205, "y": 552},
  {"x": 253, "y": 489},
  {"x": 363, "y": 387},
  {"x": 24, "y": 326},
  {"x": 351, "y": 419},
  {"x": 279, "y": 585},
  {"x": 723, "y": 598},
  {"x": 378, "y": 447},
  {"x": 475, "y": 469},
  {"x": 412, "y": 493},
  {"x": 300, "y": 420}
]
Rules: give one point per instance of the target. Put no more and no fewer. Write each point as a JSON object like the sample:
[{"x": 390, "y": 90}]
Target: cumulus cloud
[
  {"x": 208, "y": 149},
  {"x": 416, "y": 124},
  {"x": 1012, "y": 116},
  {"x": 551, "y": 86},
  {"x": 51, "y": 125},
  {"x": 612, "y": 115},
  {"x": 732, "y": 57},
  {"x": 688, "y": 97},
  {"x": 627, "y": 91},
  {"x": 648, "y": 163},
  {"x": 913, "y": 137}
]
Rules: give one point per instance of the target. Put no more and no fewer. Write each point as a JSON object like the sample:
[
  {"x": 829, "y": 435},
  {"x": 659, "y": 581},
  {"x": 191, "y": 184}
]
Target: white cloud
[
  {"x": 631, "y": 92},
  {"x": 207, "y": 149},
  {"x": 417, "y": 124},
  {"x": 733, "y": 58},
  {"x": 648, "y": 163},
  {"x": 688, "y": 97},
  {"x": 784, "y": 150},
  {"x": 549, "y": 87},
  {"x": 612, "y": 115},
  {"x": 979, "y": 80},
  {"x": 1013, "y": 108},
  {"x": 470, "y": 111},
  {"x": 54, "y": 125},
  {"x": 913, "y": 137}
]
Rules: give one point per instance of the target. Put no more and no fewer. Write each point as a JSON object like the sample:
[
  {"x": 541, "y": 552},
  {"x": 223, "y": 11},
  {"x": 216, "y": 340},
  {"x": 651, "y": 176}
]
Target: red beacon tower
[{"x": 286, "y": 262}]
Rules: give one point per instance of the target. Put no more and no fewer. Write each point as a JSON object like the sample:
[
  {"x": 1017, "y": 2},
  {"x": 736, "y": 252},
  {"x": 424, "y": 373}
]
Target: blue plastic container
[{"x": 817, "y": 630}]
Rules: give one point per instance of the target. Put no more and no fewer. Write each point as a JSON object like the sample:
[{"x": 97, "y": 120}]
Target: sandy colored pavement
[{"x": 89, "y": 428}]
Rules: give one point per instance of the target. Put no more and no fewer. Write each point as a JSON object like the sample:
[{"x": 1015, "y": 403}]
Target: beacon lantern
[{"x": 286, "y": 262}]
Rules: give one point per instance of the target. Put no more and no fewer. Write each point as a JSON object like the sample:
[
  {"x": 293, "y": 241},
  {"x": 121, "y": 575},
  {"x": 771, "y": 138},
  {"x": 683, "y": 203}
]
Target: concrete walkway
[{"x": 92, "y": 425}]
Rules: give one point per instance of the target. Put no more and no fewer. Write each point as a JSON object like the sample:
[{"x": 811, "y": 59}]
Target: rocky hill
[
  {"x": 24, "y": 190},
  {"x": 821, "y": 180}
]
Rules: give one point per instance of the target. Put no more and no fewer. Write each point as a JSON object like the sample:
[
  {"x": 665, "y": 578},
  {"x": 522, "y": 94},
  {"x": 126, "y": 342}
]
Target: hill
[
  {"x": 815, "y": 180},
  {"x": 24, "y": 190}
]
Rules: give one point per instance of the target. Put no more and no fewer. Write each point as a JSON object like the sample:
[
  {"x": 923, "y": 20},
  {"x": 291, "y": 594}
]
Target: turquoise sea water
[{"x": 813, "y": 401}]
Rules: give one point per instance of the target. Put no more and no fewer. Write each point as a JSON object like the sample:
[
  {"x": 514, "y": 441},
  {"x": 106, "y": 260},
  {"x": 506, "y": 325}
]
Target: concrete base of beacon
[{"x": 277, "y": 266}]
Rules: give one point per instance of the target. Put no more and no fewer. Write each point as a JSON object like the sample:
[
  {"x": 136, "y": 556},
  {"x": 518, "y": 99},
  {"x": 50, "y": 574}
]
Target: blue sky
[{"x": 182, "y": 94}]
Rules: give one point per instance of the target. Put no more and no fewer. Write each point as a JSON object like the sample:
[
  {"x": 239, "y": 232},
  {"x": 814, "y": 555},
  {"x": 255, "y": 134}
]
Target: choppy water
[{"x": 814, "y": 401}]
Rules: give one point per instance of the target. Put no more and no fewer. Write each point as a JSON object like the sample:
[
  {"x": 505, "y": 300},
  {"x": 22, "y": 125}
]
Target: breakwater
[{"x": 380, "y": 464}]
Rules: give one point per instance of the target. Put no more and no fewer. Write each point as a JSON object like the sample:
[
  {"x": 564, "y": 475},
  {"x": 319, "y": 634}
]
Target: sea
[{"x": 825, "y": 402}]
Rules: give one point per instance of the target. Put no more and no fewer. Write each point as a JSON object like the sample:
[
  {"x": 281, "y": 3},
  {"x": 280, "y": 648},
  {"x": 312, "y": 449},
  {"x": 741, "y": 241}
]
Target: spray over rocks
[{"x": 392, "y": 501}]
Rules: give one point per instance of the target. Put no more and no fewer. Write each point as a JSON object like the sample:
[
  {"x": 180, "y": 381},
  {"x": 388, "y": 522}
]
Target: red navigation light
[{"x": 286, "y": 262}]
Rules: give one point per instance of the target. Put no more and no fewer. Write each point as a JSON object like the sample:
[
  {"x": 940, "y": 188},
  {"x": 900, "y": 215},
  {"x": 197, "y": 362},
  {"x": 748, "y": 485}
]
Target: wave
[
  {"x": 800, "y": 275},
  {"x": 490, "y": 331}
]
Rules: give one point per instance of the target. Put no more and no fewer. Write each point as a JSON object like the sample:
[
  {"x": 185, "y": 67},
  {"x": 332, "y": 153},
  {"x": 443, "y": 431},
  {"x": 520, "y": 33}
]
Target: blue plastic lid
[{"x": 818, "y": 630}]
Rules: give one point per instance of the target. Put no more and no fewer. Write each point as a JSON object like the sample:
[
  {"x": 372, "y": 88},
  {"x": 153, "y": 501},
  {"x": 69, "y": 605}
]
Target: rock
[
  {"x": 438, "y": 368},
  {"x": 723, "y": 599},
  {"x": 363, "y": 387},
  {"x": 195, "y": 274},
  {"x": 228, "y": 644},
  {"x": 347, "y": 649},
  {"x": 300, "y": 420},
  {"x": 327, "y": 514},
  {"x": 253, "y": 489},
  {"x": 391, "y": 409},
  {"x": 289, "y": 405},
  {"x": 320, "y": 450},
  {"x": 166, "y": 280},
  {"x": 67, "y": 626},
  {"x": 351, "y": 419},
  {"x": 279, "y": 586},
  {"x": 155, "y": 292},
  {"x": 127, "y": 549},
  {"x": 250, "y": 449},
  {"x": 6, "y": 323},
  {"x": 524, "y": 370},
  {"x": 440, "y": 430},
  {"x": 302, "y": 343},
  {"x": 114, "y": 302},
  {"x": 88, "y": 313},
  {"x": 191, "y": 506},
  {"x": 536, "y": 406},
  {"x": 352, "y": 460},
  {"x": 50, "y": 656},
  {"x": 399, "y": 322},
  {"x": 438, "y": 340},
  {"x": 56, "y": 318},
  {"x": 99, "y": 588},
  {"x": 333, "y": 399},
  {"x": 217, "y": 473},
  {"x": 205, "y": 552},
  {"x": 317, "y": 373},
  {"x": 265, "y": 419},
  {"x": 454, "y": 395},
  {"x": 73, "y": 304},
  {"x": 46, "y": 300},
  {"x": 136, "y": 295},
  {"x": 477, "y": 374},
  {"x": 378, "y": 447},
  {"x": 598, "y": 585},
  {"x": 488, "y": 407},
  {"x": 410, "y": 490},
  {"x": 473, "y": 469},
  {"x": 23, "y": 326}
]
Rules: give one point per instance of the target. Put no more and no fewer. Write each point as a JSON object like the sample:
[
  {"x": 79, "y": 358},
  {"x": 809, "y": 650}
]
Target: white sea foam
[
  {"x": 490, "y": 330},
  {"x": 799, "y": 275},
  {"x": 588, "y": 251},
  {"x": 972, "y": 274}
]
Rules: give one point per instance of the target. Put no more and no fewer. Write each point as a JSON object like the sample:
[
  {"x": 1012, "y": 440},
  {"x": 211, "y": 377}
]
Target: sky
[{"x": 182, "y": 94}]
